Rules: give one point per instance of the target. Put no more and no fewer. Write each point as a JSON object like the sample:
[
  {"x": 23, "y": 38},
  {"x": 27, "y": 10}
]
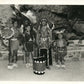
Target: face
[
  {"x": 43, "y": 23},
  {"x": 60, "y": 36},
  {"x": 26, "y": 22},
  {"x": 28, "y": 28},
  {"x": 9, "y": 24},
  {"x": 15, "y": 24}
]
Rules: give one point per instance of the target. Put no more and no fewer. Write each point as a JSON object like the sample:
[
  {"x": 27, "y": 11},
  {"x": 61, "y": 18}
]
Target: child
[
  {"x": 13, "y": 46},
  {"x": 30, "y": 38},
  {"x": 61, "y": 50}
]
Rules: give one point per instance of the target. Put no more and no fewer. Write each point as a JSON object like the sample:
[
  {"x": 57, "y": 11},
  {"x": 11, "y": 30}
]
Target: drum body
[
  {"x": 39, "y": 65},
  {"x": 44, "y": 52}
]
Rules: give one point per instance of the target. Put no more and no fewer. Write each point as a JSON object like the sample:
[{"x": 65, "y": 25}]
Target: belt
[
  {"x": 61, "y": 47},
  {"x": 14, "y": 39},
  {"x": 29, "y": 42}
]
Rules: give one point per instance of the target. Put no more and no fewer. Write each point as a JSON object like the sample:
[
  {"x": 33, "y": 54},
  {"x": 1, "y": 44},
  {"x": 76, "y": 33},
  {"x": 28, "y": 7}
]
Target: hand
[{"x": 25, "y": 48}]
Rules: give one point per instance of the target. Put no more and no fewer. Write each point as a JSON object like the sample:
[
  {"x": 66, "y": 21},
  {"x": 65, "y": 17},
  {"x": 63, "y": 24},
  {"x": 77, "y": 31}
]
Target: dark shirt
[
  {"x": 29, "y": 41},
  {"x": 31, "y": 36}
]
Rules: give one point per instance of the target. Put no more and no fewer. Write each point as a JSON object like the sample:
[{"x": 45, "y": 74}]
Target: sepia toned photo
[{"x": 41, "y": 42}]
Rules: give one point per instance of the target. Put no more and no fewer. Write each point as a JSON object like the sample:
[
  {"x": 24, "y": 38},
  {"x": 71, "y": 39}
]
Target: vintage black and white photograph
[{"x": 41, "y": 42}]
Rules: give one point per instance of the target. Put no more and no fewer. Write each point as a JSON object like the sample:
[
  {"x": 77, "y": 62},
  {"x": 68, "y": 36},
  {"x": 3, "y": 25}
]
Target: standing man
[{"x": 44, "y": 40}]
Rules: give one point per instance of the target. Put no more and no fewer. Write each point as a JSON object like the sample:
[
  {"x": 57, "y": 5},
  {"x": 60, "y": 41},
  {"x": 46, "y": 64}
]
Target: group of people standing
[
  {"x": 20, "y": 36},
  {"x": 39, "y": 39}
]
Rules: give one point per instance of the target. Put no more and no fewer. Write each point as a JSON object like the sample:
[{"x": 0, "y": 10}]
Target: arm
[
  {"x": 38, "y": 36},
  {"x": 50, "y": 35},
  {"x": 65, "y": 42},
  {"x": 21, "y": 29},
  {"x": 10, "y": 35},
  {"x": 35, "y": 38},
  {"x": 25, "y": 42}
]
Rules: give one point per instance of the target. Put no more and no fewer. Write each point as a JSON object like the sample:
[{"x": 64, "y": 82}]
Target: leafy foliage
[{"x": 61, "y": 15}]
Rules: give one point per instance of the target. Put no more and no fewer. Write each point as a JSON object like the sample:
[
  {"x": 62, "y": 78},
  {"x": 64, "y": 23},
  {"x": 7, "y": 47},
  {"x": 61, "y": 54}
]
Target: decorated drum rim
[
  {"x": 39, "y": 72},
  {"x": 40, "y": 61}
]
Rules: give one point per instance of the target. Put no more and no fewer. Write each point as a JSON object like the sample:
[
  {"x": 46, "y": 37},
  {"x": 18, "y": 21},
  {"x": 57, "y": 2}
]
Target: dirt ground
[{"x": 74, "y": 71}]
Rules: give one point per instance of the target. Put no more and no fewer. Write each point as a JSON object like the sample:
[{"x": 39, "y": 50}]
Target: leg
[
  {"x": 10, "y": 65},
  {"x": 24, "y": 52},
  {"x": 27, "y": 56},
  {"x": 31, "y": 58},
  {"x": 45, "y": 53},
  {"x": 62, "y": 61},
  {"x": 50, "y": 57},
  {"x": 27, "y": 59},
  {"x": 56, "y": 58},
  {"x": 15, "y": 58},
  {"x": 62, "y": 55},
  {"x": 11, "y": 56}
]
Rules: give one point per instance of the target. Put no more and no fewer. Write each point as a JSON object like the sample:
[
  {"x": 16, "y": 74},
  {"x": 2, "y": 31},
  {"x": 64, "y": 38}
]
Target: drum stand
[{"x": 47, "y": 60}]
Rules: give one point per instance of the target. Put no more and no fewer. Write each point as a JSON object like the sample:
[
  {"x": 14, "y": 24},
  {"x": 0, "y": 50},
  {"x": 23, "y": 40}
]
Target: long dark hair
[
  {"x": 31, "y": 28},
  {"x": 18, "y": 22},
  {"x": 32, "y": 32}
]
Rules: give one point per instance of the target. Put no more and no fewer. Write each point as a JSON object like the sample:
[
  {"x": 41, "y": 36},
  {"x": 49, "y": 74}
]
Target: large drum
[{"x": 39, "y": 65}]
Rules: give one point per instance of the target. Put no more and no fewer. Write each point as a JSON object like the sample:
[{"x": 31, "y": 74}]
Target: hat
[
  {"x": 43, "y": 20},
  {"x": 30, "y": 16},
  {"x": 59, "y": 30}
]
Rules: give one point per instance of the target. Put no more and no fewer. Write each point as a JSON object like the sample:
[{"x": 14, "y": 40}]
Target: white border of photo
[{"x": 42, "y": 2}]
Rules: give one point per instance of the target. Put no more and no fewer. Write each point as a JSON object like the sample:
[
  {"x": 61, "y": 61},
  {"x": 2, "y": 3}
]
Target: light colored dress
[{"x": 14, "y": 40}]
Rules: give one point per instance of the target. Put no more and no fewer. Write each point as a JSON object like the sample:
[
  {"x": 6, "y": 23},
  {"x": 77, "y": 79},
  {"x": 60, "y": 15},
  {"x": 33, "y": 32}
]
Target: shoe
[
  {"x": 10, "y": 66},
  {"x": 48, "y": 67},
  {"x": 63, "y": 66},
  {"x": 30, "y": 64},
  {"x": 15, "y": 65},
  {"x": 27, "y": 65},
  {"x": 57, "y": 65}
]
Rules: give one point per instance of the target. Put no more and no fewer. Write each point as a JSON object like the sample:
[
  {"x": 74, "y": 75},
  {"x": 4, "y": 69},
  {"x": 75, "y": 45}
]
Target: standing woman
[
  {"x": 13, "y": 46},
  {"x": 30, "y": 41}
]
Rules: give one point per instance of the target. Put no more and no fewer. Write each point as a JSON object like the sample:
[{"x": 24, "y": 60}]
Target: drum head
[
  {"x": 39, "y": 73},
  {"x": 39, "y": 59}
]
